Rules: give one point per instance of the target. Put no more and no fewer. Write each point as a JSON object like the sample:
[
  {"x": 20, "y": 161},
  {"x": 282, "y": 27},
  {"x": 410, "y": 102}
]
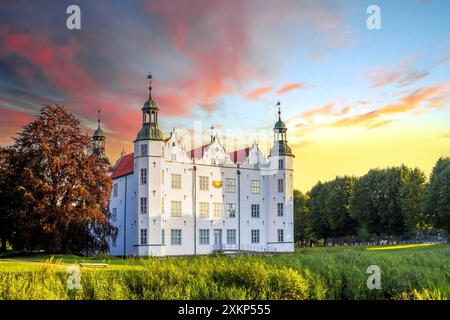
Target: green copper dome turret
[
  {"x": 98, "y": 133},
  {"x": 99, "y": 142},
  {"x": 279, "y": 125},
  {"x": 150, "y": 129},
  {"x": 280, "y": 146}
]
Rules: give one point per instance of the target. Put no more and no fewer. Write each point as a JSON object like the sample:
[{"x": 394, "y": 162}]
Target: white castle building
[{"x": 169, "y": 201}]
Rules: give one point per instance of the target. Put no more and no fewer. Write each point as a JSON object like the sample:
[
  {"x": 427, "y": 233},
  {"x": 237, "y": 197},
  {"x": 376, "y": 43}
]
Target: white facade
[{"x": 169, "y": 201}]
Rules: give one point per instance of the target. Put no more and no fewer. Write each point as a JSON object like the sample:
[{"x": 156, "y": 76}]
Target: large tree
[
  {"x": 337, "y": 207},
  {"x": 62, "y": 186},
  {"x": 413, "y": 192},
  {"x": 365, "y": 203},
  {"x": 301, "y": 225},
  {"x": 317, "y": 218},
  {"x": 438, "y": 200}
]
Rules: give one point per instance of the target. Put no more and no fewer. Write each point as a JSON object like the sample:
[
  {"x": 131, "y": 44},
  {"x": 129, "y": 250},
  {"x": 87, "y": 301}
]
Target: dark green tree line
[{"x": 392, "y": 203}]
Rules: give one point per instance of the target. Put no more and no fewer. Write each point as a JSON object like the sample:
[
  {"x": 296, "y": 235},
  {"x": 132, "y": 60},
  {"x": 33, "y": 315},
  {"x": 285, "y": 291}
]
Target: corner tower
[
  {"x": 99, "y": 142},
  {"x": 148, "y": 163},
  {"x": 281, "y": 192}
]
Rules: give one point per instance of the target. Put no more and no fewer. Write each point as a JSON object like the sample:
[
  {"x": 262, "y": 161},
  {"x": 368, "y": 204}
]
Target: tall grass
[{"x": 337, "y": 273}]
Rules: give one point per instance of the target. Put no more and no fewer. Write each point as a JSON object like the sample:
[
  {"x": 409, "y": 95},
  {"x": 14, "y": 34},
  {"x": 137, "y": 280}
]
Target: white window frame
[
  {"x": 204, "y": 236},
  {"x": 143, "y": 204},
  {"x": 230, "y": 185},
  {"x": 176, "y": 208},
  {"x": 144, "y": 150},
  {"x": 176, "y": 237},
  {"x": 255, "y": 186},
  {"x": 114, "y": 215},
  {"x": 255, "y": 236},
  {"x": 218, "y": 209},
  {"x": 280, "y": 235},
  {"x": 231, "y": 210},
  {"x": 204, "y": 183},
  {"x": 143, "y": 176},
  {"x": 175, "y": 181},
  {"x": 143, "y": 238},
  {"x": 280, "y": 209},
  {"x": 204, "y": 210},
  {"x": 280, "y": 185},
  {"x": 231, "y": 236},
  {"x": 255, "y": 210}
]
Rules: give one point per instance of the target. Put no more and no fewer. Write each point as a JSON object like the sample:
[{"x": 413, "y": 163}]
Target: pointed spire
[
  {"x": 98, "y": 120},
  {"x": 149, "y": 77}
]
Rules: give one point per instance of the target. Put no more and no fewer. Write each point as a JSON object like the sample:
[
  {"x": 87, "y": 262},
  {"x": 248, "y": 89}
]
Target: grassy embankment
[{"x": 411, "y": 272}]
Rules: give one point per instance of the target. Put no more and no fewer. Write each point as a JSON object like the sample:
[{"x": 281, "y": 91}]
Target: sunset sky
[{"x": 352, "y": 98}]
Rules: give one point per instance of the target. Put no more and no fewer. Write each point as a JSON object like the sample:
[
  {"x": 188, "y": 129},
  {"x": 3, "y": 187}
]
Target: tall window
[
  {"x": 255, "y": 236},
  {"x": 175, "y": 208},
  {"x": 144, "y": 176},
  {"x": 230, "y": 185},
  {"x": 115, "y": 190},
  {"x": 162, "y": 177},
  {"x": 163, "y": 205},
  {"x": 176, "y": 181},
  {"x": 163, "y": 236},
  {"x": 114, "y": 215},
  {"x": 280, "y": 185},
  {"x": 204, "y": 236},
  {"x": 280, "y": 235},
  {"x": 114, "y": 243},
  {"x": 143, "y": 205},
  {"x": 143, "y": 236},
  {"x": 218, "y": 210},
  {"x": 175, "y": 237},
  {"x": 231, "y": 236},
  {"x": 255, "y": 187},
  {"x": 143, "y": 150},
  {"x": 204, "y": 209},
  {"x": 204, "y": 183},
  {"x": 255, "y": 210},
  {"x": 280, "y": 209},
  {"x": 280, "y": 164},
  {"x": 231, "y": 210}
]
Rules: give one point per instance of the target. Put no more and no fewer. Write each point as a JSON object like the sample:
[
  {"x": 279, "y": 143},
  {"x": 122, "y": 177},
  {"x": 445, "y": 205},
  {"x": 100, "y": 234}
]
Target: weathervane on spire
[
  {"x": 149, "y": 77},
  {"x": 279, "y": 110},
  {"x": 98, "y": 120},
  {"x": 212, "y": 133}
]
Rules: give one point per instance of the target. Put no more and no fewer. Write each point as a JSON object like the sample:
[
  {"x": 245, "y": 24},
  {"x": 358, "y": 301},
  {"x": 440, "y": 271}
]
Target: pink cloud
[
  {"x": 258, "y": 93},
  {"x": 291, "y": 86}
]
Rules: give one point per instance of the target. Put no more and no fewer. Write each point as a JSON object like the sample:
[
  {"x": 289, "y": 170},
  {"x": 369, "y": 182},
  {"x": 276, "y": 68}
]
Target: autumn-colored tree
[
  {"x": 62, "y": 186},
  {"x": 6, "y": 199}
]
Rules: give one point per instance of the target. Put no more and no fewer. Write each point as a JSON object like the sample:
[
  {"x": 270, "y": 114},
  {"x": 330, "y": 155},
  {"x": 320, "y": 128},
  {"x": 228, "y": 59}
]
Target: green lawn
[{"x": 409, "y": 272}]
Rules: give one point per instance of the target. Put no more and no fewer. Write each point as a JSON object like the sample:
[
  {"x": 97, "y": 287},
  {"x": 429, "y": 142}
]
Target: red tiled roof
[
  {"x": 197, "y": 152},
  {"x": 240, "y": 155},
  {"x": 124, "y": 166}
]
